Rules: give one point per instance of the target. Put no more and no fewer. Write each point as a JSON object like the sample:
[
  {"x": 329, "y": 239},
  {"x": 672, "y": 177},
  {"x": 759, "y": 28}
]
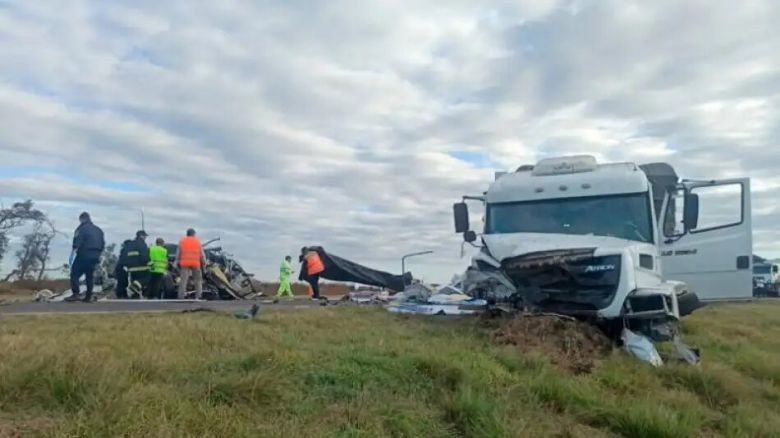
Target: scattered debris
[
  {"x": 685, "y": 353},
  {"x": 248, "y": 314},
  {"x": 641, "y": 348},
  {"x": 422, "y": 299},
  {"x": 416, "y": 292},
  {"x": 454, "y": 298},
  {"x": 43, "y": 295},
  {"x": 199, "y": 310},
  {"x": 568, "y": 343},
  {"x": 48, "y": 296},
  {"x": 368, "y": 296},
  {"x": 488, "y": 284},
  {"x": 429, "y": 309}
]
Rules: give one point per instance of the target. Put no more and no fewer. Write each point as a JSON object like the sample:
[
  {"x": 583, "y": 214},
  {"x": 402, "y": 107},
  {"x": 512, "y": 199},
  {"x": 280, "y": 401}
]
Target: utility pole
[{"x": 414, "y": 254}]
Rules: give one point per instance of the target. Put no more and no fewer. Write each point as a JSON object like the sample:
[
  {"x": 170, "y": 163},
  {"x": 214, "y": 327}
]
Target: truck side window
[
  {"x": 673, "y": 219},
  {"x": 720, "y": 206}
]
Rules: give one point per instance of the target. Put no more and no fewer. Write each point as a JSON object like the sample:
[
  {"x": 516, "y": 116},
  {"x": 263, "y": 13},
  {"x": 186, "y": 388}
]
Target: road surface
[{"x": 147, "y": 306}]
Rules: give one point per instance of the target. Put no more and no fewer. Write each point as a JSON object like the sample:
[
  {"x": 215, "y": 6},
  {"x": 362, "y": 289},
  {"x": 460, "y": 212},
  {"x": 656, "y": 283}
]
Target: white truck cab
[
  {"x": 766, "y": 279},
  {"x": 618, "y": 240}
]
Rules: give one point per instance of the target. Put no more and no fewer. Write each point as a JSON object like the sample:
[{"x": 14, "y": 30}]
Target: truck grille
[{"x": 567, "y": 286}]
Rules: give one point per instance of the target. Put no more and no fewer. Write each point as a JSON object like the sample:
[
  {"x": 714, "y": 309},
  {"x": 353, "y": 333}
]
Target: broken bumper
[{"x": 651, "y": 304}]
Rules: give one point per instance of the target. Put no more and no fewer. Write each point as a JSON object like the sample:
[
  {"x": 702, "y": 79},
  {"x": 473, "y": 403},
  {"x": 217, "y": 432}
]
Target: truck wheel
[{"x": 688, "y": 302}]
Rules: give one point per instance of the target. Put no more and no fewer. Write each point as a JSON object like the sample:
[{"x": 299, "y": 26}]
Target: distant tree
[
  {"x": 45, "y": 237},
  {"x": 33, "y": 255},
  {"x": 15, "y": 216}
]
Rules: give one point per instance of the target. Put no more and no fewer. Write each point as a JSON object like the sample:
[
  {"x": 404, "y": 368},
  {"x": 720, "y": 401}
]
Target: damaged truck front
[{"x": 579, "y": 238}]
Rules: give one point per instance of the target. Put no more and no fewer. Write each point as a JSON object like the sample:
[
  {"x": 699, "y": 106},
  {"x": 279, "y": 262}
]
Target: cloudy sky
[{"x": 357, "y": 124}]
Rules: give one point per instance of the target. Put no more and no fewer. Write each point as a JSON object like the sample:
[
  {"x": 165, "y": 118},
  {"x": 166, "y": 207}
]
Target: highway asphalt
[{"x": 148, "y": 306}]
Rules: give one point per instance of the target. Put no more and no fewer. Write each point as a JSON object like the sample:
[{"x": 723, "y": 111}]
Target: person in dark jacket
[
  {"x": 120, "y": 272},
  {"x": 137, "y": 260},
  {"x": 88, "y": 245}
]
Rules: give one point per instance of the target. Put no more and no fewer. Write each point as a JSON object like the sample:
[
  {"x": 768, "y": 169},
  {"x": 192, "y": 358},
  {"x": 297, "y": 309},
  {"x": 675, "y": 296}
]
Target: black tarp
[{"x": 339, "y": 269}]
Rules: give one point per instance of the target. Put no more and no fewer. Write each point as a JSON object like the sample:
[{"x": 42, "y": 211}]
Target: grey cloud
[{"x": 281, "y": 124}]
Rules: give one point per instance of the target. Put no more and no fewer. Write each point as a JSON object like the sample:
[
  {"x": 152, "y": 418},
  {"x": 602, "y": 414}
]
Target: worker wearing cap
[
  {"x": 191, "y": 261},
  {"x": 158, "y": 267},
  {"x": 137, "y": 262},
  {"x": 285, "y": 271},
  {"x": 120, "y": 272}
]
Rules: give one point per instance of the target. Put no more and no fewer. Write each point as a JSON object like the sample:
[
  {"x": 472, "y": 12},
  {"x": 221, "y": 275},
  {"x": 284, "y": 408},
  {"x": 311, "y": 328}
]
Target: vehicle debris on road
[
  {"x": 248, "y": 314},
  {"x": 422, "y": 299},
  {"x": 368, "y": 296}
]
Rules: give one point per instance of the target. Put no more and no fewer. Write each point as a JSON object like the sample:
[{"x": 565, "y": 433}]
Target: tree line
[{"x": 32, "y": 258}]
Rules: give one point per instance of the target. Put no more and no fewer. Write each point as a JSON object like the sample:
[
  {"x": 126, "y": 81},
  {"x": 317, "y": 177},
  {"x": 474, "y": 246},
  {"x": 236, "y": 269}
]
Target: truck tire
[{"x": 688, "y": 302}]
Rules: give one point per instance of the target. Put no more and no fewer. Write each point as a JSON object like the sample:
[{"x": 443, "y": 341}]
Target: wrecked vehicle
[
  {"x": 606, "y": 242},
  {"x": 223, "y": 277}
]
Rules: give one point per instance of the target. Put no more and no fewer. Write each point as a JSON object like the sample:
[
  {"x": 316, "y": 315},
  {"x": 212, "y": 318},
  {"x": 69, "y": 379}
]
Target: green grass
[{"x": 350, "y": 372}]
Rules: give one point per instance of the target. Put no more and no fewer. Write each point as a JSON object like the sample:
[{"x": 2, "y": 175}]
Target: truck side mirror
[
  {"x": 461, "y": 213},
  {"x": 691, "y": 212},
  {"x": 470, "y": 236}
]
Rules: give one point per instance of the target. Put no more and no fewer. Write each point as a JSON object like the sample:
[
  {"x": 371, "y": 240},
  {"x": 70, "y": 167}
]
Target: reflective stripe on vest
[
  {"x": 138, "y": 269},
  {"x": 189, "y": 252},
  {"x": 158, "y": 259}
]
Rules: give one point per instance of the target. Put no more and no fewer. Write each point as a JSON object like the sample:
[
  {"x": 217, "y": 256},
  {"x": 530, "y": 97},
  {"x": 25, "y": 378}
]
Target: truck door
[{"x": 713, "y": 255}]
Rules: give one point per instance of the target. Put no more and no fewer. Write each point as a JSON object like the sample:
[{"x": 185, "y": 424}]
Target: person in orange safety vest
[
  {"x": 191, "y": 261},
  {"x": 312, "y": 267}
]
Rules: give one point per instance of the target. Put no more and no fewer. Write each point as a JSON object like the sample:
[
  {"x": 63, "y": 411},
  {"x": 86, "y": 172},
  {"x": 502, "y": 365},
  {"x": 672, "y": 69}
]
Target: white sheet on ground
[
  {"x": 459, "y": 299},
  {"x": 641, "y": 348},
  {"x": 429, "y": 309}
]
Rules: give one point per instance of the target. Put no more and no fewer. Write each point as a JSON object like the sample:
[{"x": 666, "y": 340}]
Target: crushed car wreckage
[{"x": 223, "y": 277}]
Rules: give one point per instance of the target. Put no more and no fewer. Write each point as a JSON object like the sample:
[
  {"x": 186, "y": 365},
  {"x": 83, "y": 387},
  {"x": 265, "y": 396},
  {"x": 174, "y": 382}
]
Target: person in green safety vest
[
  {"x": 285, "y": 271},
  {"x": 158, "y": 265}
]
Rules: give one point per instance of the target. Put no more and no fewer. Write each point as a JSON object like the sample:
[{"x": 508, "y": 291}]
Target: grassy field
[{"x": 363, "y": 372}]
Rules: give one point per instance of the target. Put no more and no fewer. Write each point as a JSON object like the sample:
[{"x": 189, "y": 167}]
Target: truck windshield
[
  {"x": 761, "y": 269},
  {"x": 622, "y": 216}
]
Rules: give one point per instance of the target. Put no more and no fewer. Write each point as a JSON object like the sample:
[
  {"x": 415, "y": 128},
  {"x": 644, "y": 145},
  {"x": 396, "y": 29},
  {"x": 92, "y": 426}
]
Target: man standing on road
[
  {"x": 191, "y": 261},
  {"x": 311, "y": 268},
  {"x": 88, "y": 245},
  {"x": 285, "y": 271},
  {"x": 158, "y": 263},
  {"x": 137, "y": 261}
]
